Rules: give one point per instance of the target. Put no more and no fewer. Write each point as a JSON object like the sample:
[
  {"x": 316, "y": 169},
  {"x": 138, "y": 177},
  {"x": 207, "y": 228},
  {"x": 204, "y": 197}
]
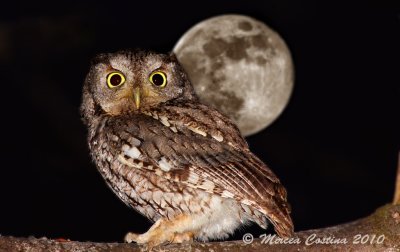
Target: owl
[{"x": 178, "y": 162}]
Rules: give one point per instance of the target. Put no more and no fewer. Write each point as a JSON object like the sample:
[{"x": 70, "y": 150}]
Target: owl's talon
[{"x": 163, "y": 232}]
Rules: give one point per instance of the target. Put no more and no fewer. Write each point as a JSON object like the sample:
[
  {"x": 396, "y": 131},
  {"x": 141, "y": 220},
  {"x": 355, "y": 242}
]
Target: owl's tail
[{"x": 277, "y": 210}]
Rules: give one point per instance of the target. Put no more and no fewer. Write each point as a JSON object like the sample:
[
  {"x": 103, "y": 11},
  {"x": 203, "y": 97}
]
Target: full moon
[{"x": 240, "y": 66}]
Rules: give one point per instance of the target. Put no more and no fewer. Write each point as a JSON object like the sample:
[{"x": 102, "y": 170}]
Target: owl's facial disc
[{"x": 129, "y": 82}]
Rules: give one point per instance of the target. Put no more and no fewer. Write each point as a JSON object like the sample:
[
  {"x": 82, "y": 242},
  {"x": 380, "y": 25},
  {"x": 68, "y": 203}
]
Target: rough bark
[
  {"x": 396, "y": 199},
  {"x": 384, "y": 222}
]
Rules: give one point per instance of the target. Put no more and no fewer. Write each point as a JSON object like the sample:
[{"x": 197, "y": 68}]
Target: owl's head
[{"x": 130, "y": 81}]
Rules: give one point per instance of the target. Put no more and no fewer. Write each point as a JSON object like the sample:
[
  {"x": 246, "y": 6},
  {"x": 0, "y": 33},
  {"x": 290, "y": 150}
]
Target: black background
[{"x": 335, "y": 147}]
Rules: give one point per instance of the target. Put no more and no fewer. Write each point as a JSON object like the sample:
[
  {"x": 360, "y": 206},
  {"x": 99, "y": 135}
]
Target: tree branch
[
  {"x": 396, "y": 199},
  {"x": 379, "y": 231}
]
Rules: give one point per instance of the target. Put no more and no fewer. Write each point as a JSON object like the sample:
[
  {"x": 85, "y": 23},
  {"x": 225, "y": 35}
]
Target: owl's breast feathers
[{"x": 200, "y": 148}]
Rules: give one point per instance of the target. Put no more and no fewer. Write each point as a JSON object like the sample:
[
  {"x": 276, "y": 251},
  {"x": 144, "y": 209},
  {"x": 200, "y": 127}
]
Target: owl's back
[{"x": 181, "y": 158}]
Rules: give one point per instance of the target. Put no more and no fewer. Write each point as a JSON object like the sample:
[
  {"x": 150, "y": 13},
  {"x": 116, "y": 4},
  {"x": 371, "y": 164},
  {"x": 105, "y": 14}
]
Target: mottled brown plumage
[{"x": 176, "y": 161}]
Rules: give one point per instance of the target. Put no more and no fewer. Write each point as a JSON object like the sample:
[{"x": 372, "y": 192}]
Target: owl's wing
[{"x": 204, "y": 150}]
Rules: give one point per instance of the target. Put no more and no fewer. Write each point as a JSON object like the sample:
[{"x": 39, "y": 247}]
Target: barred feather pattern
[{"x": 176, "y": 159}]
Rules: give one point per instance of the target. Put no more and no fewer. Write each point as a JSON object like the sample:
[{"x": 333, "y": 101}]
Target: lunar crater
[
  {"x": 245, "y": 26},
  {"x": 239, "y": 66},
  {"x": 215, "y": 47}
]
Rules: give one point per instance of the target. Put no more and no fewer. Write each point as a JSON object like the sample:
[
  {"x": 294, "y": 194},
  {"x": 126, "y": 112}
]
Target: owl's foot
[
  {"x": 183, "y": 237},
  {"x": 162, "y": 232}
]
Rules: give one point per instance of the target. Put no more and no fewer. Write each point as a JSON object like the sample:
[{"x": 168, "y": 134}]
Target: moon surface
[{"x": 240, "y": 66}]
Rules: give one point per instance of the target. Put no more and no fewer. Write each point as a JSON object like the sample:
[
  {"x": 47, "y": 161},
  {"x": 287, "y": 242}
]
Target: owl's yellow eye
[
  {"x": 158, "y": 78},
  {"x": 115, "y": 79}
]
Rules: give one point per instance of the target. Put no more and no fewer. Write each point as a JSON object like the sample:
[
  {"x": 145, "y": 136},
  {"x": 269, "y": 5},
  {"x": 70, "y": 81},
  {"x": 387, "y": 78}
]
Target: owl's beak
[{"x": 136, "y": 96}]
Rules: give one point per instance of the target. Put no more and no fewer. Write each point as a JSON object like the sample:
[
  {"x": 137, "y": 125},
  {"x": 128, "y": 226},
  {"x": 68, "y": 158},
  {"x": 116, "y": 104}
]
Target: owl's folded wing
[{"x": 217, "y": 167}]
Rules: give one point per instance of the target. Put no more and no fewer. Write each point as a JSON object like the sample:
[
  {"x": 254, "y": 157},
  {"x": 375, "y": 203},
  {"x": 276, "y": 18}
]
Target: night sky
[{"x": 335, "y": 147}]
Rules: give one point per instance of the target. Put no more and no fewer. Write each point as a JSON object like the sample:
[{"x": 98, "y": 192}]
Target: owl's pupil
[
  {"x": 115, "y": 80},
  {"x": 158, "y": 80}
]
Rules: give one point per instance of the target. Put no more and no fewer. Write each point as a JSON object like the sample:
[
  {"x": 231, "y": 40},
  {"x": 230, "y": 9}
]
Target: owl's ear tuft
[
  {"x": 100, "y": 58},
  {"x": 172, "y": 56}
]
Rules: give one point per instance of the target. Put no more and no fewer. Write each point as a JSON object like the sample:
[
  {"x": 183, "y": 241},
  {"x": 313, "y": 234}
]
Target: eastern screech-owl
[{"x": 178, "y": 162}]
